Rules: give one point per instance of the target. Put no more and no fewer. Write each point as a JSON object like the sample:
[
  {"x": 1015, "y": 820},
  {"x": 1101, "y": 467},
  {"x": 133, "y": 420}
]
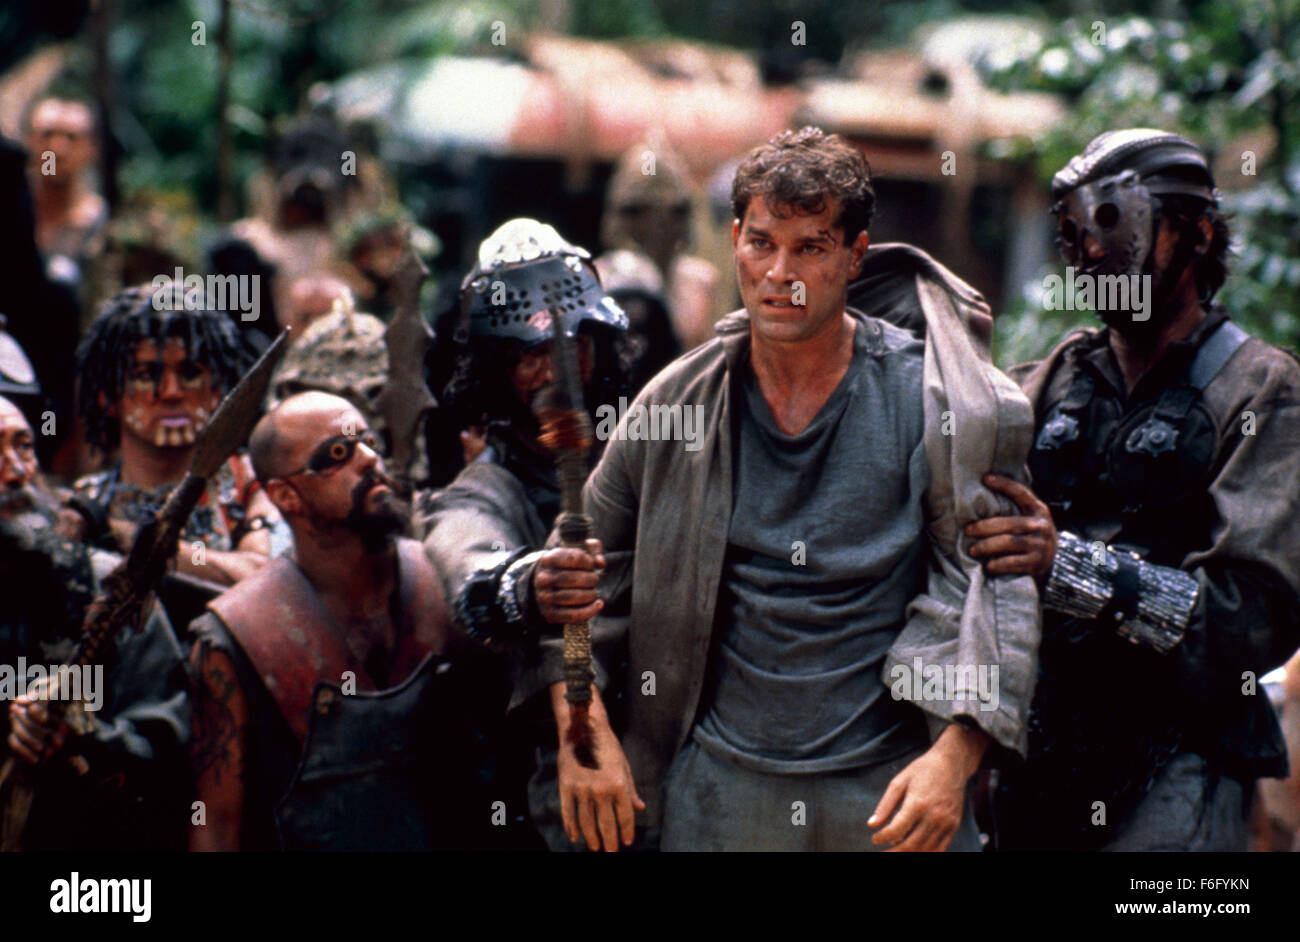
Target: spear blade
[
  {"x": 566, "y": 433},
  {"x": 405, "y": 399},
  {"x": 237, "y": 413}
]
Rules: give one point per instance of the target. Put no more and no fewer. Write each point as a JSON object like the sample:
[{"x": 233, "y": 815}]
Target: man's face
[
  {"x": 65, "y": 128},
  {"x": 332, "y": 464},
  {"x": 18, "y": 467},
  {"x": 379, "y": 254},
  {"x": 167, "y": 397},
  {"x": 780, "y": 258},
  {"x": 1162, "y": 254},
  {"x": 534, "y": 370}
]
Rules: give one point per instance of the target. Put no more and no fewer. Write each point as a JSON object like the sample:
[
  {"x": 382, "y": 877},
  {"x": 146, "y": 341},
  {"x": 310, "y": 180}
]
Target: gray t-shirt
[{"x": 825, "y": 551}]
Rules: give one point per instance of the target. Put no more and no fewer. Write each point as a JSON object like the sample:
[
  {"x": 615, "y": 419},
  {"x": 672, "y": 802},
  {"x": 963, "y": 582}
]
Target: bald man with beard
[{"x": 327, "y": 714}]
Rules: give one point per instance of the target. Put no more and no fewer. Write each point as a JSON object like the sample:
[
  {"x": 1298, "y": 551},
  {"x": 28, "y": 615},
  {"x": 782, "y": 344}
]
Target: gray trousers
[
  {"x": 711, "y": 804},
  {"x": 1182, "y": 812}
]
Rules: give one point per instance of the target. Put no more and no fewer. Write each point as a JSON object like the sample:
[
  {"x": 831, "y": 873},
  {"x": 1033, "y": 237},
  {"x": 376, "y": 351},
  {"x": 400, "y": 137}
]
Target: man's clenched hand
[
  {"x": 564, "y": 583},
  {"x": 34, "y": 733}
]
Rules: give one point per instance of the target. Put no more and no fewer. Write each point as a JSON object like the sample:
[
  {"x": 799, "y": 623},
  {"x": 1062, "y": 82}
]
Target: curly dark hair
[
  {"x": 806, "y": 170},
  {"x": 480, "y": 390},
  {"x": 123, "y": 322},
  {"x": 1211, "y": 269}
]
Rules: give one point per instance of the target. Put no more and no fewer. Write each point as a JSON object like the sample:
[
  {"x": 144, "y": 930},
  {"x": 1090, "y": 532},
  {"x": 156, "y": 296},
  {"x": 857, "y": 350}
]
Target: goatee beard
[{"x": 389, "y": 519}]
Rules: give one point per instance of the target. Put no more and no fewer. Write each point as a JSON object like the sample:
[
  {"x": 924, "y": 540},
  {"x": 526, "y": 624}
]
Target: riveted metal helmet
[
  {"x": 342, "y": 352},
  {"x": 526, "y": 274},
  {"x": 1111, "y": 192}
]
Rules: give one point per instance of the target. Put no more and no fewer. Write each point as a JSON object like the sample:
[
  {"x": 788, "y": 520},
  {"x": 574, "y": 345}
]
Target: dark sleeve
[
  {"x": 464, "y": 533},
  {"x": 611, "y": 500},
  {"x": 475, "y": 532},
  {"x": 146, "y": 709}
]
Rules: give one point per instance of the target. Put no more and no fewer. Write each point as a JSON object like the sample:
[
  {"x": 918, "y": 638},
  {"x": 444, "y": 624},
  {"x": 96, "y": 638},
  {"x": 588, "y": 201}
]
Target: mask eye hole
[
  {"x": 1068, "y": 231},
  {"x": 1106, "y": 215}
]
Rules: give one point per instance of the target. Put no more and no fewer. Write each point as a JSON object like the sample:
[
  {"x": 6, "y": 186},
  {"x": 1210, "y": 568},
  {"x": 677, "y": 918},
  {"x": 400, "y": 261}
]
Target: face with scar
[{"x": 793, "y": 269}]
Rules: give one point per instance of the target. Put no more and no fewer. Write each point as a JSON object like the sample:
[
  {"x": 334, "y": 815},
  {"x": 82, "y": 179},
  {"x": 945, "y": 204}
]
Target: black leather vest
[{"x": 1149, "y": 469}]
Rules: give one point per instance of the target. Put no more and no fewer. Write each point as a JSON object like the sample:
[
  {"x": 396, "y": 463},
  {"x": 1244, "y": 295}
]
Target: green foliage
[
  {"x": 167, "y": 84},
  {"x": 617, "y": 19},
  {"x": 1224, "y": 69},
  {"x": 1027, "y": 331},
  {"x": 1263, "y": 287},
  {"x": 1228, "y": 70}
]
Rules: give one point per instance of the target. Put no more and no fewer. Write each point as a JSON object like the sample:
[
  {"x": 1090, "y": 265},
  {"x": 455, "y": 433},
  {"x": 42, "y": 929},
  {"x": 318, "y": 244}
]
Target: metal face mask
[{"x": 1116, "y": 211}]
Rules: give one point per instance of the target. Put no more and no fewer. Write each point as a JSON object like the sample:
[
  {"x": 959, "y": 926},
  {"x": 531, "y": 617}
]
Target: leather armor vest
[
  {"x": 379, "y": 769},
  {"x": 1103, "y": 723},
  {"x": 1090, "y": 461}
]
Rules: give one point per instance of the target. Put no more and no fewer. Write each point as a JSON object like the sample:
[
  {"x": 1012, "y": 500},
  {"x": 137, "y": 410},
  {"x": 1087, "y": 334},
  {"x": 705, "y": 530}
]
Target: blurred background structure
[{"x": 462, "y": 113}]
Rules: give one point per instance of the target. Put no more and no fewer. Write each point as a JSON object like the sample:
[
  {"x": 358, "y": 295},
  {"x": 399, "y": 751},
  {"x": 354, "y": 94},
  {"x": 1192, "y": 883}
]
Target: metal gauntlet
[
  {"x": 488, "y": 605},
  {"x": 1150, "y": 605}
]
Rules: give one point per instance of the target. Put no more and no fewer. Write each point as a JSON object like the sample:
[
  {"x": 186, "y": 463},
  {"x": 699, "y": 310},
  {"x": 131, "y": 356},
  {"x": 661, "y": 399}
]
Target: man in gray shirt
[
  {"x": 824, "y": 553},
  {"x": 762, "y": 575}
]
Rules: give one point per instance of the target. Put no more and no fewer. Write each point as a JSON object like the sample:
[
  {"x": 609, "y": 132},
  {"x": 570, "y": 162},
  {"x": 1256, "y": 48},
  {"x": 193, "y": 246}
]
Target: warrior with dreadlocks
[
  {"x": 484, "y": 530},
  {"x": 152, "y": 370}
]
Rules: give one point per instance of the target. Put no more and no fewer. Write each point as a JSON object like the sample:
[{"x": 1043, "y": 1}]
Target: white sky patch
[{"x": 469, "y": 102}]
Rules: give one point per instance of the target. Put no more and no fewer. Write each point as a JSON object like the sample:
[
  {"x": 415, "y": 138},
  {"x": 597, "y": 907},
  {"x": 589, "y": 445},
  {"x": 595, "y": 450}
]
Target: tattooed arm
[
  {"x": 217, "y": 748},
  {"x": 252, "y": 553}
]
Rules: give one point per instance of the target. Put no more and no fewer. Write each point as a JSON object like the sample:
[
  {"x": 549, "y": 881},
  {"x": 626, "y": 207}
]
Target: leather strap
[{"x": 1214, "y": 354}]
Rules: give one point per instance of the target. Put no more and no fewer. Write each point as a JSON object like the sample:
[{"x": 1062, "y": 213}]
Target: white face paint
[
  {"x": 167, "y": 401},
  {"x": 136, "y": 421}
]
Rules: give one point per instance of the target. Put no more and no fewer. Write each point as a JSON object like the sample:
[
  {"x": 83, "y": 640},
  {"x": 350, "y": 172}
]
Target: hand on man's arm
[
  {"x": 1021, "y": 545},
  {"x": 924, "y": 803},
  {"x": 598, "y": 805}
]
